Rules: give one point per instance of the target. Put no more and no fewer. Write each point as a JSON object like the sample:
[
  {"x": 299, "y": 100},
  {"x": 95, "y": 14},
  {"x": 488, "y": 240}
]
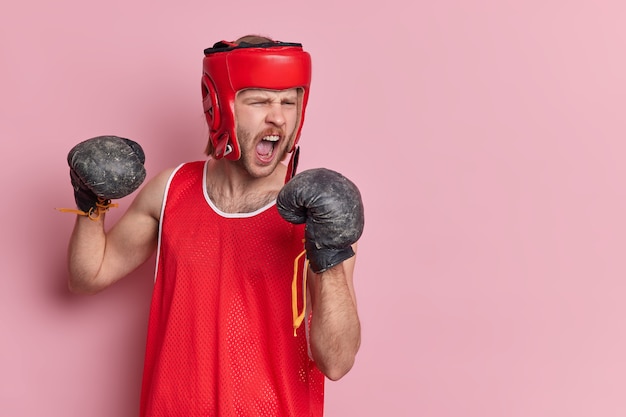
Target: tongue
[{"x": 264, "y": 148}]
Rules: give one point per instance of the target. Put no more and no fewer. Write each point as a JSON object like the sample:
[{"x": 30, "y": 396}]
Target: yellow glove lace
[
  {"x": 94, "y": 213},
  {"x": 298, "y": 317}
]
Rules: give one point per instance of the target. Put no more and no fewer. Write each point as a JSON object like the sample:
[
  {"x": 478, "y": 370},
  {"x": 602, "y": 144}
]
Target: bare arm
[
  {"x": 335, "y": 327},
  {"x": 97, "y": 259}
]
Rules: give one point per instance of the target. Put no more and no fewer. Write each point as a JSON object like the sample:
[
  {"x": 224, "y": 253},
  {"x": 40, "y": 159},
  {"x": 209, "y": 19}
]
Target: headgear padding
[{"x": 229, "y": 68}]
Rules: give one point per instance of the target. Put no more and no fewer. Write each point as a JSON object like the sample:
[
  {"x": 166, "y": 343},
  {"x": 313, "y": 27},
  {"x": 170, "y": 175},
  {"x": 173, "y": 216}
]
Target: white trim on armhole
[{"x": 165, "y": 194}]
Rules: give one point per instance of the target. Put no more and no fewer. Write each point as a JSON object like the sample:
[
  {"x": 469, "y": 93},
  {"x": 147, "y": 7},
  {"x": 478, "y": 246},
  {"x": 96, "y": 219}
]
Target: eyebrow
[
  {"x": 255, "y": 96},
  {"x": 263, "y": 96}
]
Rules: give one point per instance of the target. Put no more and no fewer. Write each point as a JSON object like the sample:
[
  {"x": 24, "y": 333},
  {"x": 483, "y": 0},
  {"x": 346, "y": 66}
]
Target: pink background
[{"x": 487, "y": 138}]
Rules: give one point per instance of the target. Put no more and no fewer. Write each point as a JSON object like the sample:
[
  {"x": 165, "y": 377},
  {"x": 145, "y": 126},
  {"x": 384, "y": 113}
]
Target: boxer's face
[{"x": 266, "y": 120}]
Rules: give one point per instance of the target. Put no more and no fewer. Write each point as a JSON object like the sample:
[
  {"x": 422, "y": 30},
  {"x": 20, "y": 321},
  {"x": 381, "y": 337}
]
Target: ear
[{"x": 210, "y": 103}]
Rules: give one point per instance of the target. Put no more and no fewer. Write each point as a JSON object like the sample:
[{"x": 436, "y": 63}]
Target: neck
[{"x": 233, "y": 190}]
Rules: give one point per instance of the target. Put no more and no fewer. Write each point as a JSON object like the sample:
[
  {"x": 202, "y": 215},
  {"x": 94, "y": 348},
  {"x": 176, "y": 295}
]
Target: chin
[{"x": 257, "y": 170}]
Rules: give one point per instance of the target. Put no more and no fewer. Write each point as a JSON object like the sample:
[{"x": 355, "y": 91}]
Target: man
[{"x": 226, "y": 335}]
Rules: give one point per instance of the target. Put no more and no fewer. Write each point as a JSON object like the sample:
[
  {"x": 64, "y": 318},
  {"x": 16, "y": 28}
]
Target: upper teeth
[{"x": 272, "y": 138}]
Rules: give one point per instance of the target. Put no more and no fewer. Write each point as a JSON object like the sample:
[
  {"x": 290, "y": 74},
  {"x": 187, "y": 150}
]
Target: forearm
[
  {"x": 104, "y": 168},
  {"x": 85, "y": 254},
  {"x": 330, "y": 205},
  {"x": 335, "y": 326}
]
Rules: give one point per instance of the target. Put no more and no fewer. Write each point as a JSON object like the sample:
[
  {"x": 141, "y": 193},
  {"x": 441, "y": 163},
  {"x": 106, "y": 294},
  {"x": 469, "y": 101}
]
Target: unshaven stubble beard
[{"x": 248, "y": 165}]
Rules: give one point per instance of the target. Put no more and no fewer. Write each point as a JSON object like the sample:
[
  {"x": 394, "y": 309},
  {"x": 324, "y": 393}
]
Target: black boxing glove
[
  {"x": 331, "y": 206},
  {"x": 105, "y": 168}
]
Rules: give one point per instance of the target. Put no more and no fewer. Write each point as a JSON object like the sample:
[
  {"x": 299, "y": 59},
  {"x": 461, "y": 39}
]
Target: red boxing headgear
[{"x": 229, "y": 68}]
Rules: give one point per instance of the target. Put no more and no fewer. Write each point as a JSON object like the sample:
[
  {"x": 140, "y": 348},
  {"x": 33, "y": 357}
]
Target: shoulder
[
  {"x": 150, "y": 198},
  {"x": 159, "y": 181}
]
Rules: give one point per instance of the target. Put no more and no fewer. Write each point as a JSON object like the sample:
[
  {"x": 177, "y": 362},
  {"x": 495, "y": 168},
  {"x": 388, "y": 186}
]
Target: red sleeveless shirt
[{"x": 220, "y": 334}]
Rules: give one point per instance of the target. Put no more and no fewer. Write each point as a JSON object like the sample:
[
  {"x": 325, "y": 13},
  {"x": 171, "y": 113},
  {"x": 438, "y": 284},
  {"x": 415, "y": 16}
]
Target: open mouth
[{"x": 265, "y": 148}]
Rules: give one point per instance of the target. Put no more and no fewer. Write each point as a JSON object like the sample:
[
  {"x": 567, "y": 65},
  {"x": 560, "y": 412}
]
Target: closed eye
[{"x": 258, "y": 102}]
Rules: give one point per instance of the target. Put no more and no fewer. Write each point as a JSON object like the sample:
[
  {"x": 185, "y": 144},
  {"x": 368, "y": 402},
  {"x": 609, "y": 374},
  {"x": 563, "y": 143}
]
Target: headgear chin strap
[{"x": 229, "y": 68}]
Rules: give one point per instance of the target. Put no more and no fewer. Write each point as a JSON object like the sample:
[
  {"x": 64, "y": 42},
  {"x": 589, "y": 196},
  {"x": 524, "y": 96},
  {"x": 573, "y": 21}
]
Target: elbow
[
  {"x": 78, "y": 290},
  {"x": 338, "y": 371},
  {"x": 337, "y": 366},
  {"x": 336, "y": 360},
  {"x": 81, "y": 288}
]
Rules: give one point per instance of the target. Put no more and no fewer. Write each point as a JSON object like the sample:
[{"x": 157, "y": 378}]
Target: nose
[{"x": 275, "y": 115}]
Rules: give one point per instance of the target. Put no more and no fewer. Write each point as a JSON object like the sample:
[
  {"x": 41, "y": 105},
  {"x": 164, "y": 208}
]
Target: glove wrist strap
[
  {"x": 95, "y": 212},
  {"x": 323, "y": 259}
]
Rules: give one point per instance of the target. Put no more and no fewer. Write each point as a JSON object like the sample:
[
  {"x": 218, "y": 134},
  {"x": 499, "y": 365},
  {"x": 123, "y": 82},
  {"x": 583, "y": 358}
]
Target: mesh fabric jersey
[{"x": 220, "y": 334}]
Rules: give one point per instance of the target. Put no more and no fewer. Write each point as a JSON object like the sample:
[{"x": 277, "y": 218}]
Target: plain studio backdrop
[{"x": 488, "y": 141}]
